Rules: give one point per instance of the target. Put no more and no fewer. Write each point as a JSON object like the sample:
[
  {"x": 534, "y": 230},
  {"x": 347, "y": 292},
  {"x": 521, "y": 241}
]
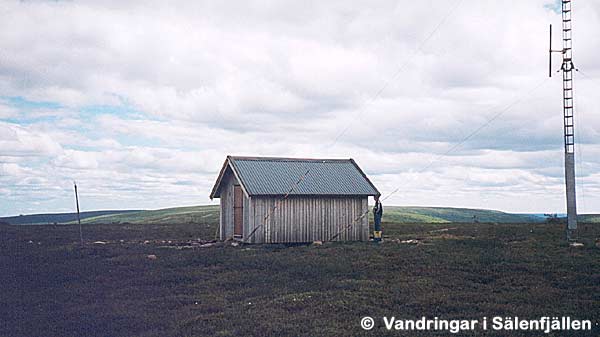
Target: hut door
[{"x": 238, "y": 211}]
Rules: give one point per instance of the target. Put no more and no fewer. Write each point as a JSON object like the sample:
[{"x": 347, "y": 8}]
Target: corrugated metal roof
[{"x": 276, "y": 176}]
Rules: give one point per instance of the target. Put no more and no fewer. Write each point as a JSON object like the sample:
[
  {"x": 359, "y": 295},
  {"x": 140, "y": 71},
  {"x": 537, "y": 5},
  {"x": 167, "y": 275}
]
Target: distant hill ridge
[
  {"x": 50, "y": 218},
  {"x": 210, "y": 214}
]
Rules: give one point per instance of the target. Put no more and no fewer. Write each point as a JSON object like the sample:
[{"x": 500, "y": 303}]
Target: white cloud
[
  {"x": 205, "y": 79},
  {"x": 7, "y": 111},
  {"x": 17, "y": 141},
  {"x": 77, "y": 160}
]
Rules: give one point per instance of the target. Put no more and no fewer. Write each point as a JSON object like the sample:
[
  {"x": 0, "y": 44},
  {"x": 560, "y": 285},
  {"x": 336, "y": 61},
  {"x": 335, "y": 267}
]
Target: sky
[{"x": 448, "y": 103}]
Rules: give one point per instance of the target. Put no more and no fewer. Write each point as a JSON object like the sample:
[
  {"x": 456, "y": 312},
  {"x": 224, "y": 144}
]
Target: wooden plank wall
[
  {"x": 227, "y": 208},
  {"x": 226, "y": 218},
  {"x": 307, "y": 219},
  {"x": 247, "y": 210}
]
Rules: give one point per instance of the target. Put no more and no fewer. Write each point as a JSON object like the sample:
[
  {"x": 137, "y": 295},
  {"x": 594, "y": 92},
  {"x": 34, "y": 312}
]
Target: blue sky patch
[{"x": 555, "y": 6}]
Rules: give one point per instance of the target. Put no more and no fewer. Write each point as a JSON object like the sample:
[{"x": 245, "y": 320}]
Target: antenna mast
[{"x": 567, "y": 68}]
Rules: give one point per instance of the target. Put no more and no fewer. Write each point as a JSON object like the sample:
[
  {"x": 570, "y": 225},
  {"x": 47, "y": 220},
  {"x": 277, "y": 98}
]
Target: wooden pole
[{"x": 78, "y": 218}]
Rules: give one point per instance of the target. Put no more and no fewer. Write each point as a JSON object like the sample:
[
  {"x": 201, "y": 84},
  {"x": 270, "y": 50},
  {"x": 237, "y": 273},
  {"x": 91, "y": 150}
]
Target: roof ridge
[{"x": 345, "y": 160}]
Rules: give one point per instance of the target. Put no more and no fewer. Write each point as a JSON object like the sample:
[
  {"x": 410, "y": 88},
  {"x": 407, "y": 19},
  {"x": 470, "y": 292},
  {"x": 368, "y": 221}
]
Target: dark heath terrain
[{"x": 51, "y": 286}]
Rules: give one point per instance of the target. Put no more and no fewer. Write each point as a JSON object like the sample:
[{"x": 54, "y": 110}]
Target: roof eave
[
  {"x": 219, "y": 178},
  {"x": 234, "y": 169},
  {"x": 366, "y": 178},
  {"x": 228, "y": 163}
]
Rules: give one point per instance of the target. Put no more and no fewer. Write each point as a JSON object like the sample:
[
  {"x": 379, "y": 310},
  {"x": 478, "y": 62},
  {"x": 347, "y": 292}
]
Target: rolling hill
[
  {"x": 589, "y": 218},
  {"x": 210, "y": 214},
  {"x": 192, "y": 214},
  {"x": 448, "y": 214},
  {"x": 50, "y": 218}
]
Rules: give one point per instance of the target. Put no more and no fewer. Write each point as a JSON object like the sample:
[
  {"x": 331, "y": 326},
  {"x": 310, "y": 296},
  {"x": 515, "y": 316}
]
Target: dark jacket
[{"x": 378, "y": 209}]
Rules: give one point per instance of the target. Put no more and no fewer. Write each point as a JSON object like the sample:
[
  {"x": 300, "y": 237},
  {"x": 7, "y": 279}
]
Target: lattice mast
[{"x": 567, "y": 68}]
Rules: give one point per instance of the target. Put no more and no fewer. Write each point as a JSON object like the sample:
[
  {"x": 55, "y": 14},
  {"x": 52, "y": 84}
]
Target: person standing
[{"x": 377, "y": 214}]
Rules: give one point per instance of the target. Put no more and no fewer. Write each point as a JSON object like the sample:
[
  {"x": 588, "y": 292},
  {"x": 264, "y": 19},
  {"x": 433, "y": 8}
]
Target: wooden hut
[{"x": 276, "y": 200}]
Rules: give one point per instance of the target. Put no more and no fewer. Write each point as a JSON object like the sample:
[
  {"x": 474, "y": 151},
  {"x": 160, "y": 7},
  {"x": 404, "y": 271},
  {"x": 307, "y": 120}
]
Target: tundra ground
[{"x": 51, "y": 286}]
